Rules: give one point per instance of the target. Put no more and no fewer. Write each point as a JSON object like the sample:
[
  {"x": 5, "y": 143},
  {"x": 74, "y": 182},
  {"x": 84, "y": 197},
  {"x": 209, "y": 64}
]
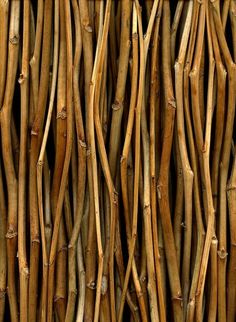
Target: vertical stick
[
  {"x": 3, "y": 248},
  {"x": 6, "y": 115},
  {"x": 24, "y": 84}
]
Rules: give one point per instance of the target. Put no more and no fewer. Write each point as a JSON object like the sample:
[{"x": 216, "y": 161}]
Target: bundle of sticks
[{"x": 117, "y": 160}]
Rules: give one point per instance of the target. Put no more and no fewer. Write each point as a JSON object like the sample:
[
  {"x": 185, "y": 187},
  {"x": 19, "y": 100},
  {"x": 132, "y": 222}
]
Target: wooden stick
[
  {"x": 187, "y": 171},
  {"x": 4, "y": 13},
  {"x": 24, "y": 84},
  {"x": 61, "y": 194},
  {"x": 162, "y": 185},
  {"x": 45, "y": 221},
  {"x": 3, "y": 248},
  {"x": 6, "y": 114}
]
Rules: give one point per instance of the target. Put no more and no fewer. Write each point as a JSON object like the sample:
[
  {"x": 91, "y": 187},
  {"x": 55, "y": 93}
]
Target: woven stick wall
[{"x": 117, "y": 160}]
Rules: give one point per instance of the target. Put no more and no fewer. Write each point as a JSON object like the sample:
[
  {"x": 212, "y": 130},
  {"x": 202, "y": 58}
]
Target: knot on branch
[
  {"x": 11, "y": 233},
  {"x": 115, "y": 197},
  {"x": 104, "y": 285},
  {"x": 74, "y": 291},
  {"x": 88, "y": 153},
  {"x": 115, "y": 249},
  {"x": 82, "y": 144},
  {"x": 25, "y": 272},
  {"x": 91, "y": 285},
  {"x": 191, "y": 302},
  {"x": 21, "y": 79},
  {"x": 180, "y": 172},
  {"x": 172, "y": 103},
  {"x": 230, "y": 187},
  {"x": 222, "y": 253},
  {"x": 32, "y": 61},
  {"x": 62, "y": 249},
  {"x": 143, "y": 279},
  {"x": 123, "y": 159},
  {"x": 117, "y": 105},
  {"x": 204, "y": 148},
  {"x": 178, "y": 298},
  {"x": 233, "y": 12},
  {"x": 3, "y": 293},
  {"x": 62, "y": 114},
  {"x": 58, "y": 297},
  {"x": 159, "y": 190},
  {"x": 40, "y": 163},
  {"x": 51, "y": 262},
  {"x": 87, "y": 27},
  {"x": 35, "y": 240},
  {"x": 14, "y": 40},
  {"x": 35, "y": 131},
  {"x": 214, "y": 240},
  {"x": 146, "y": 209}
]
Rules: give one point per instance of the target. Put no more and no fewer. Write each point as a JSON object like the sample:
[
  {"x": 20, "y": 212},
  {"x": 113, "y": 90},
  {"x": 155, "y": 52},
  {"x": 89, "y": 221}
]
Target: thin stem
[
  {"x": 24, "y": 84},
  {"x": 3, "y": 248},
  {"x": 6, "y": 115},
  {"x": 4, "y": 13},
  {"x": 35, "y": 60},
  {"x": 187, "y": 171},
  {"x": 45, "y": 221},
  {"x": 69, "y": 140},
  {"x": 162, "y": 186}
]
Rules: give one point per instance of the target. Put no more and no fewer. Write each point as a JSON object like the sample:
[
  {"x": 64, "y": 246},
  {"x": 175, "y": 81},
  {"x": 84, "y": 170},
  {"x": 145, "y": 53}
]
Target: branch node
[
  {"x": 117, "y": 105},
  {"x": 143, "y": 279},
  {"x": 230, "y": 187},
  {"x": 222, "y": 253},
  {"x": 115, "y": 197},
  {"x": 178, "y": 297},
  {"x": 35, "y": 240},
  {"x": 3, "y": 293},
  {"x": 87, "y": 28},
  {"x": 104, "y": 285},
  {"x": 35, "y": 132},
  {"x": 91, "y": 285},
  {"x": 159, "y": 191},
  {"x": 82, "y": 144},
  {"x": 62, "y": 114},
  {"x": 40, "y": 163},
  {"x": 233, "y": 12},
  {"x": 11, "y": 233},
  {"x": 88, "y": 153},
  {"x": 204, "y": 148},
  {"x": 21, "y": 79},
  {"x": 172, "y": 103},
  {"x": 25, "y": 272},
  {"x": 58, "y": 297},
  {"x": 123, "y": 159},
  {"x": 14, "y": 40},
  {"x": 63, "y": 248}
]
